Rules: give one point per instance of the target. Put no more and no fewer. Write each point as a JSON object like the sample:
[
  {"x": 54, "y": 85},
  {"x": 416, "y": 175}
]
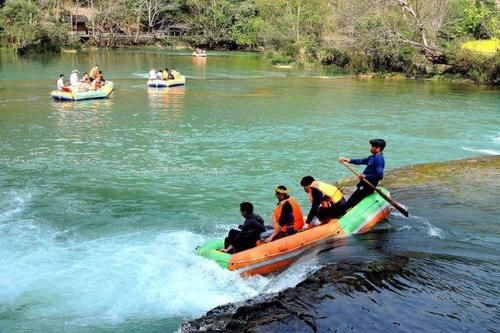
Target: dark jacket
[
  {"x": 374, "y": 170},
  {"x": 250, "y": 232}
]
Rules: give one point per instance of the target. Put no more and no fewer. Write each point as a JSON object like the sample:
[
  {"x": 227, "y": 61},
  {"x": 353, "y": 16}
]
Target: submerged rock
[{"x": 296, "y": 309}]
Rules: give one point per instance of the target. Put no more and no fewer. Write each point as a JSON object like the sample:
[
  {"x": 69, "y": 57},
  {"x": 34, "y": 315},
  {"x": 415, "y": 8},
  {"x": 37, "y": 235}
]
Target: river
[{"x": 103, "y": 202}]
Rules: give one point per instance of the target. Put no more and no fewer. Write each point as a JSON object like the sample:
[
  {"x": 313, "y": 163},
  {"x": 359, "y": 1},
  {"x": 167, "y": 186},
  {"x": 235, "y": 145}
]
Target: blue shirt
[{"x": 374, "y": 170}]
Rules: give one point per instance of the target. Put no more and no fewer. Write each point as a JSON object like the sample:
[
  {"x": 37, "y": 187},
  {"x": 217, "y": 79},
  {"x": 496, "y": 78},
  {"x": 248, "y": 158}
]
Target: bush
[
  {"x": 333, "y": 56},
  {"x": 474, "y": 66},
  {"x": 279, "y": 58}
]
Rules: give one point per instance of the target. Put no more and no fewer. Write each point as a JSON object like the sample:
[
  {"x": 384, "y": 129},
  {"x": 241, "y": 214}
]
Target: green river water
[{"x": 102, "y": 202}]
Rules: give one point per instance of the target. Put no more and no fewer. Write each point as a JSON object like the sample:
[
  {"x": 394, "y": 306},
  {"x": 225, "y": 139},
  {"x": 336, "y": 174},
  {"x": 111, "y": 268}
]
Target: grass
[{"x": 486, "y": 47}]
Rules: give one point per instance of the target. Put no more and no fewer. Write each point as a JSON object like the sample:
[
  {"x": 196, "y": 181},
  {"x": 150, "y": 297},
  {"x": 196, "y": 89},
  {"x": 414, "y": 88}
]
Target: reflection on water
[
  {"x": 199, "y": 65},
  {"x": 69, "y": 113},
  {"x": 167, "y": 99}
]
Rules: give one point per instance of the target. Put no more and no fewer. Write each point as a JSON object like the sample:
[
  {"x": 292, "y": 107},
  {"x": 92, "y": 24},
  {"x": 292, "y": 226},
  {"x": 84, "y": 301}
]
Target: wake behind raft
[{"x": 278, "y": 254}]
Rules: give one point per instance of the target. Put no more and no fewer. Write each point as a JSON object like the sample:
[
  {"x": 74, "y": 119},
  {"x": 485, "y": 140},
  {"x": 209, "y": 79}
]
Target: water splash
[
  {"x": 113, "y": 279},
  {"x": 483, "y": 151}
]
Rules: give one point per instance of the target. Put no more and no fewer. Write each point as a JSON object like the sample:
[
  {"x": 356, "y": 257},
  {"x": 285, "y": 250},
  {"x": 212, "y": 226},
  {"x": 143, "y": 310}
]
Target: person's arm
[
  {"x": 228, "y": 249},
  {"x": 276, "y": 231},
  {"x": 316, "y": 203},
  {"x": 359, "y": 161}
]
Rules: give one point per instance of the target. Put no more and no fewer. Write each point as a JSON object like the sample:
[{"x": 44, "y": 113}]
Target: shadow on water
[{"x": 434, "y": 272}]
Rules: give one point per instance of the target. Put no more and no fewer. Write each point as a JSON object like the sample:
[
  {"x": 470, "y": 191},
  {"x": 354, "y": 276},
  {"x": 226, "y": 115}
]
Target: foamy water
[
  {"x": 483, "y": 151},
  {"x": 109, "y": 280}
]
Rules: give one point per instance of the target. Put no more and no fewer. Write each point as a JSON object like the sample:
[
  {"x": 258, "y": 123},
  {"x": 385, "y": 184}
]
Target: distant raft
[
  {"x": 167, "y": 83},
  {"x": 102, "y": 92},
  {"x": 273, "y": 256},
  {"x": 201, "y": 55}
]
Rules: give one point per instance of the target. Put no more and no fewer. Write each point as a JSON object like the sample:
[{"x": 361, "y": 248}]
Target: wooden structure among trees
[{"x": 79, "y": 25}]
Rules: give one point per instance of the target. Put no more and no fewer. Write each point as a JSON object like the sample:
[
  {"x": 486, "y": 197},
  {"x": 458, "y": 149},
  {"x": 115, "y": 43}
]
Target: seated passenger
[
  {"x": 96, "y": 84},
  {"x": 327, "y": 201},
  {"x": 85, "y": 78},
  {"x": 93, "y": 72},
  {"x": 100, "y": 77},
  {"x": 152, "y": 74},
  {"x": 248, "y": 235},
  {"x": 170, "y": 75},
  {"x": 84, "y": 83},
  {"x": 287, "y": 215},
  {"x": 159, "y": 75},
  {"x": 73, "y": 78},
  {"x": 176, "y": 75},
  {"x": 165, "y": 74},
  {"x": 61, "y": 86}
]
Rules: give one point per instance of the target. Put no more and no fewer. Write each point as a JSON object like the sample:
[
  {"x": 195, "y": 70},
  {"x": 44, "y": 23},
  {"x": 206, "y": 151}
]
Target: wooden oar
[{"x": 395, "y": 204}]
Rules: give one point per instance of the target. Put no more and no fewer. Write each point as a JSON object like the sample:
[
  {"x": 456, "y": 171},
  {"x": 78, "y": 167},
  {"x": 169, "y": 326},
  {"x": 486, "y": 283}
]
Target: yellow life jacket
[
  {"x": 330, "y": 191},
  {"x": 298, "y": 218}
]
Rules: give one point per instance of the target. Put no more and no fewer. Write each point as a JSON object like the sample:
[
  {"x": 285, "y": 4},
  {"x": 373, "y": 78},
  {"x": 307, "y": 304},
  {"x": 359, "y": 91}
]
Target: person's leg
[
  {"x": 338, "y": 209},
  {"x": 230, "y": 237},
  {"x": 357, "y": 196}
]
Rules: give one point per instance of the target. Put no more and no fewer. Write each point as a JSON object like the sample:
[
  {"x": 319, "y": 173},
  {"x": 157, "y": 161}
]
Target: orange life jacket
[
  {"x": 298, "y": 219},
  {"x": 333, "y": 193}
]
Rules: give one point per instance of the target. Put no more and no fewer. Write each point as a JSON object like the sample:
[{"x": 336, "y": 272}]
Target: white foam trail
[
  {"x": 434, "y": 231},
  {"x": 483, "y": 151},
  {"x": 113, "y": 279},
  {"x": 141, "y": 74},
  {"x": 423, "y": 223},
  {"x": 497, "y": 139},
  {"x": 16, "y": 206}
]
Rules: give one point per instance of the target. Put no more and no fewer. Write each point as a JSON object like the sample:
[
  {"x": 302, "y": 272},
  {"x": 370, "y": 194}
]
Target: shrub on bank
[{"x": 474, "y": 66}]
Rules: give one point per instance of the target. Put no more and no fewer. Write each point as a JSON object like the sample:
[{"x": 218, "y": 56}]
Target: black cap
[
  {"x": 306, "y": 181},
  {"x": 378, "y": 143}
]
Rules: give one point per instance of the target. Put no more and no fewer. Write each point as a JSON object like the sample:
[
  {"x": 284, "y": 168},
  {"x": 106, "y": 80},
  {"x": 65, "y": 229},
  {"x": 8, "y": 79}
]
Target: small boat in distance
[
  {"x": 278, "y": 254},
  {"x": 157, "y": 83},
  {"x": 199, "y": 53},
  {"x": 102, "y": 92}
]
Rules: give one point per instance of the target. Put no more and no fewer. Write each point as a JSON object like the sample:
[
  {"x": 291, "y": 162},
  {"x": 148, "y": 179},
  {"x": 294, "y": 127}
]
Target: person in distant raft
[
  {"x": 93, "y": 72},
  {"x": 287, "y": 216},
  {"x": 327, "y": 201},
  {"x": 374, "y": 171},
  {"x": 61, "y": 86},
  {"x": 249, "y": 233}
]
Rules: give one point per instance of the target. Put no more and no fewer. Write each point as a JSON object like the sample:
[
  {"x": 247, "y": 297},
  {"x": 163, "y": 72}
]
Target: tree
[
  {"x": 213, "y": 19},
  {"x": 294, "y": 27},
  {"x": 28, "y": 25},
  {"x": 158, "y": 14}
]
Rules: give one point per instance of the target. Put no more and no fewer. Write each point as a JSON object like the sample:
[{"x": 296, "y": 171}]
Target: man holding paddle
[{"x": 373, "y": 173}]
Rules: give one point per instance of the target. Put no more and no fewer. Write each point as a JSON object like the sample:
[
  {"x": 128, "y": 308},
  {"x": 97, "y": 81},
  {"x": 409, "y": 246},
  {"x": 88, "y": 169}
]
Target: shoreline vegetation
[{"x": 445, "y": 39}]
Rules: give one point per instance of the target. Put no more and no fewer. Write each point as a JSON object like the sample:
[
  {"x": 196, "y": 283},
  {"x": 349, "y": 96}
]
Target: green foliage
[
  {"x": 244, "y": 31},
  {"x": 474, "y": 66},
  {"x": 25, "y": 29},
  {"x": 279, "y": 58},
  {"x": 333, "y": 56},
  {"x": 387, "y": 59},
  {"x": 478, "y": 18}
]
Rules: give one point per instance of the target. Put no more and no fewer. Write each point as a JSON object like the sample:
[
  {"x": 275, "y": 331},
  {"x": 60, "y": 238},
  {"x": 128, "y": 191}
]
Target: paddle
[{"x": 395, "y": 204}]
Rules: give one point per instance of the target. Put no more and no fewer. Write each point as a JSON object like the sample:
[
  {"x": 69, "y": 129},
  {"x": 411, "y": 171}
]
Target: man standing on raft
[{"x": 374, "y": 171}]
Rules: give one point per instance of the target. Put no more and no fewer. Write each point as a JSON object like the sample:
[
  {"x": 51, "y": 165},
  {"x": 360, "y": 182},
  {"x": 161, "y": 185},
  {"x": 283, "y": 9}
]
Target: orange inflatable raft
[{"x": 276, "y": 255}]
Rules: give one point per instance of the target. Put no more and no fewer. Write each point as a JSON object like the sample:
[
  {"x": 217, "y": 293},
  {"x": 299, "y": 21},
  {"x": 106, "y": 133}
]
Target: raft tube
[
  {"x": 102, "y": 92},
  {"x": 167, "y": 83},
  {"x": 273, "y": 256}
]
